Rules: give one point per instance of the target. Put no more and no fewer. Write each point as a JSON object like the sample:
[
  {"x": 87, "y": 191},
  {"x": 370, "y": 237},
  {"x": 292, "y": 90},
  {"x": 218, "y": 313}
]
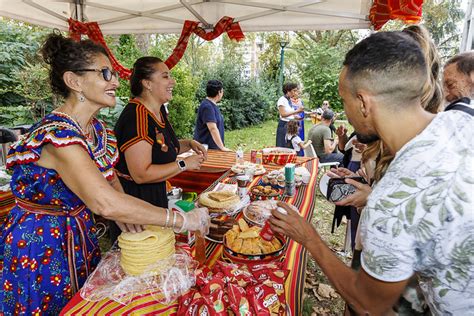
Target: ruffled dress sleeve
[
  {"x": 58, "y": 133},
  {"x": 107, "y": 155}
]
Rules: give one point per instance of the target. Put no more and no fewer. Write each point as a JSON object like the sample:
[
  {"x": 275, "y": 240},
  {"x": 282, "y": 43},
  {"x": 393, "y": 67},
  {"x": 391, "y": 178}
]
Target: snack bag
[
  {"x": 264, "y": 300},
  {"x": 238, "y": 301}
]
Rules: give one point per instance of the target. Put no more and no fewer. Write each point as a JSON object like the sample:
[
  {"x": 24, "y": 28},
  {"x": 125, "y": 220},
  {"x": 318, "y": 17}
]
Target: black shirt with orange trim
[{"x": 135, "y": 124}]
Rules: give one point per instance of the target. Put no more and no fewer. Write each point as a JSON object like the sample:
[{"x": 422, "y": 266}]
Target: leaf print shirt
[{"x": 419, "y": 217}]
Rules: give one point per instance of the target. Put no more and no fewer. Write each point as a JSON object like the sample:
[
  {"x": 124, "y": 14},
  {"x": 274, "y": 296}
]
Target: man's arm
[
  {"x": 363, "y": 293},
  {"x": 329, "y": 145},
  {"x": 216, "y": 136}
]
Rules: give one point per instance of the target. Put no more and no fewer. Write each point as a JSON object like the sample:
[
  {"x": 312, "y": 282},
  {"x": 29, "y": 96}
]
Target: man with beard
[
  {"x": 458, "y": 82},
  {"x": 418, "y": 218}
]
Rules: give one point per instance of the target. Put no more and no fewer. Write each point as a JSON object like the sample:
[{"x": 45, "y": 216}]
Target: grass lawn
[{"x": 261, "y": 136}]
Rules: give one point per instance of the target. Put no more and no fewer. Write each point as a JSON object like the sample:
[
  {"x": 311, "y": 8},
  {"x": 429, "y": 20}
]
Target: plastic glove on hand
[{"x": 197, "y": 220}]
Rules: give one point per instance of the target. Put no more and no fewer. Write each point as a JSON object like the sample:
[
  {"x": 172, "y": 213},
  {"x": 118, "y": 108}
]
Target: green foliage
[
  {"x": 246, "y": 101},
  {"x": 183, "y": 106},
  {"x": 320, "y": 75},
  {"x": 11, "y": 116},
  {"x": 18, "y": 46}
]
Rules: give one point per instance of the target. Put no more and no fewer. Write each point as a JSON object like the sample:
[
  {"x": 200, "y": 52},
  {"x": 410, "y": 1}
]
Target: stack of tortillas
[{"x": 140, "y": 250}]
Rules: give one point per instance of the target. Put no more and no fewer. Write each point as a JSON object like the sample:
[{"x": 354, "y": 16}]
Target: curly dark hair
[
  {"x": 289, "y": 86},
  {"x": 292, "y": 127},
  {"x": 142, "y": 69},
  {"x": 65, "y": 54}
]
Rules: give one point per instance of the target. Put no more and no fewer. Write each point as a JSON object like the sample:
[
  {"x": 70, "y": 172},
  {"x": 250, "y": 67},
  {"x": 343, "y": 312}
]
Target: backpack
[{"x": 288, "y": 142}]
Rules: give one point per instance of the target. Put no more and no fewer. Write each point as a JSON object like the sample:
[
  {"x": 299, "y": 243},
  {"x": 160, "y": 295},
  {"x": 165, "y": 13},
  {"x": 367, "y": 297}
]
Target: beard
[{"x": 367, "y": 139}]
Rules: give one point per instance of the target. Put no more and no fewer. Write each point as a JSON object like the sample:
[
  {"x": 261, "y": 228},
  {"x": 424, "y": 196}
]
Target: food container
[
  {"x": 257, "y": 212},
  {"x": 274, "y": 194},
  {"x": 236, "y": 257},
  {"x": 278, "y": 155}
]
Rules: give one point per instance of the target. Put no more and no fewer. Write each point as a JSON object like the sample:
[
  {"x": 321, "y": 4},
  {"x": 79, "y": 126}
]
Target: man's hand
[
  {"x": 341, "y": 131},
  {"x": 359, "y": 197},
  {"x": 340, "y": 173},
  {"x": 291, "y": 224}
]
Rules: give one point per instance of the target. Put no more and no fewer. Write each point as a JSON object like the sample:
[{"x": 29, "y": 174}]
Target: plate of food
[
  {"x": 248, "y": 166},
  {"x": 219, "y": 201},
  {"x": 219, "y": 226},
  {"x": 274, "y": 178},
  {"x": 258, "y": 212},
  {"x": 244, "y": 241},
  {"x": 260, "y": 192}
]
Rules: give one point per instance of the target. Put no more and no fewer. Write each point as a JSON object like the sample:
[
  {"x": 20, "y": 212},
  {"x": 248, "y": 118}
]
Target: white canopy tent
[{"x": 168, "y": 16}]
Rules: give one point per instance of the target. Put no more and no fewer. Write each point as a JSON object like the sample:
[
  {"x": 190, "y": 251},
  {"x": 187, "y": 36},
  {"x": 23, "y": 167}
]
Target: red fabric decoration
[
  {"x": 226, "y": 24},
  {"x": 409, "y": 11},
  {"x": 92, "y": 30}
]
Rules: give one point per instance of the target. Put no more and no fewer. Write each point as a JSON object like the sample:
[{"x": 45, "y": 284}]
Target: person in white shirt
[
  {"x": 419, "y": 217},
  {"x": 286, "y": 111},
  {"x": 293, "y": 140}
]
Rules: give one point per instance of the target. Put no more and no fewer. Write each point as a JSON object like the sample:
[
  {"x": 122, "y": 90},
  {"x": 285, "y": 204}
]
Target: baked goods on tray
[
  {"x": 246, "y": 240},
  {"x": 218, "y": 202},
  {"x": 242, "y": 168},
  {"x": 219, "y": 226}
]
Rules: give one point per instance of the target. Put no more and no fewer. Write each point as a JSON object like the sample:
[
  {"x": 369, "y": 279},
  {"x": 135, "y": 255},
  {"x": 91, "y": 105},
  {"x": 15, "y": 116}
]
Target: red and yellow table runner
[{"x": 295, "y": 260}]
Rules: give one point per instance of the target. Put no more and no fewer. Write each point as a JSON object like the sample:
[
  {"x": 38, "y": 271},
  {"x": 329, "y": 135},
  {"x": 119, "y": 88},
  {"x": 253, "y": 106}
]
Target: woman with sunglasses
[
  {"x": 62, "y": 173},
  {"x": 146, "y": 140}
]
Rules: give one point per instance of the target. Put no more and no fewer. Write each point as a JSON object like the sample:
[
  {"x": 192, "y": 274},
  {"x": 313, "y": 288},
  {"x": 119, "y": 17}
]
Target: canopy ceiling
[{"x": 167, "y": 16}]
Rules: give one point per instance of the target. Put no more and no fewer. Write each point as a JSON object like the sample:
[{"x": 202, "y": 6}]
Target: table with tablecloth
[
  {"x": 295, "y": 260},
  {"x": 217, "y": 163},
  {"x": 7, "y": 202}
]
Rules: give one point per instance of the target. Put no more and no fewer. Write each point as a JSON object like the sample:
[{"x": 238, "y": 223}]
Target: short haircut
[
  {"x": 328, "y": 114},
  {"x": 287, "y": 87},
  {"x": 464, "y": 62},
  {"x": 142, "y": 69},
  {"x": 213, "y": 87},
  {"x": 390, "y": 65}
]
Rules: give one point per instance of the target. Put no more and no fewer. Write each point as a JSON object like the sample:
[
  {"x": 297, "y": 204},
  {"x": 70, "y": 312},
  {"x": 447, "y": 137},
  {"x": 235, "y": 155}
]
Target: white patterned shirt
[{"x": 420, "y": 216}]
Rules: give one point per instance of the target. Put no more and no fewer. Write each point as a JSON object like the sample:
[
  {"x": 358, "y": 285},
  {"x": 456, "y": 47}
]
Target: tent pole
[{"x": 467, "y": 34}]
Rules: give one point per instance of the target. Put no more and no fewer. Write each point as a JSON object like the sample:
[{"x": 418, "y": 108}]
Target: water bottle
[
  {"x": 239, "y": 156},
  {"x": 290, "y": 185}
]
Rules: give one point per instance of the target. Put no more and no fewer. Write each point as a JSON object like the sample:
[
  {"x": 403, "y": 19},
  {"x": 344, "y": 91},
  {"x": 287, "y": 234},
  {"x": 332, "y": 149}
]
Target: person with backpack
[{"x": 293, "y": 140}]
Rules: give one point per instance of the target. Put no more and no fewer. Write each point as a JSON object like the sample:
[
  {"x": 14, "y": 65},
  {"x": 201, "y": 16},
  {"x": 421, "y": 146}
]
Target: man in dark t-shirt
[{"x": 209, "y": 127}]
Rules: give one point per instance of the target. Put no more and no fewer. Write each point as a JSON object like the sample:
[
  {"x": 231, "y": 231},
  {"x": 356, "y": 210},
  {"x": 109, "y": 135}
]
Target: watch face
[{"x": 181, "y": 164}]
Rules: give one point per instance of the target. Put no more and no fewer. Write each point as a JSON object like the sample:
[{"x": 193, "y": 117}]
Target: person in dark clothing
[
  {"x": 146, "y": 140},
  {"x": 209, "y": 127}
]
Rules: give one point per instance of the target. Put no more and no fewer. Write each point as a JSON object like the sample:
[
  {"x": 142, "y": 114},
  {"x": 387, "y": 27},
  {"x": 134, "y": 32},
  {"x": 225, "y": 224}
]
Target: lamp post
[{"x": 283, "y": 44}]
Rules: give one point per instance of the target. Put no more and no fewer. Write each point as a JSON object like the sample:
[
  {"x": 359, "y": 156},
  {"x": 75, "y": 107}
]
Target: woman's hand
[
  {"x": 194, "y": 162},
  {"x": 359, "y": 197},
  {"x": 198, "y": 148},
  {"x": 196, "y": 220},
  {"x": 340, "y": 173},
  {"x": 291, "y": 224},
  {"x": 130, "y": 228}
]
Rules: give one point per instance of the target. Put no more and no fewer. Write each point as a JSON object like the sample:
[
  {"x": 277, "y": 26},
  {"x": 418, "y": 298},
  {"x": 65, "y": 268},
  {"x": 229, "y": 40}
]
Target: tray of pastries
[
  {"x": 248, "y": 166},
  {"x": 219, "y": 226},
  {"x": 260, "y": 192},
  {"x": 219, "y": 201}
]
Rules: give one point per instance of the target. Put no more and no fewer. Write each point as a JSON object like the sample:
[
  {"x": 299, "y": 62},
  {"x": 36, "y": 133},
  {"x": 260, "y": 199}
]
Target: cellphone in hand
[{"x": 338, "y": 189}]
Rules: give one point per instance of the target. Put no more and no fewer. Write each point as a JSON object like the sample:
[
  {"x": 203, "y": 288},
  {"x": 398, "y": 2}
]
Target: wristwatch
[{"x": 181, "y": 164}]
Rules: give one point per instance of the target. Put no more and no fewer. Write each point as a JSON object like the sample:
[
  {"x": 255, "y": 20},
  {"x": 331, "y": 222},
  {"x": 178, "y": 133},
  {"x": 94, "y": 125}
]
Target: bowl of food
[
  {"x": 278, "y": 155},
  {"x": 258, "y": 212},
  {"x": 267, "y": 192},
  {"x": 243, "y": 244}
]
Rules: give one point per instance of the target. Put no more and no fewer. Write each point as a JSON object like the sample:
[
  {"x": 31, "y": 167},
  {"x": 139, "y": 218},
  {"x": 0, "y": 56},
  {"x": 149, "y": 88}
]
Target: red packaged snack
[
  {"x": 203, "y": 276},
  {"x": 238, "y": 301},
  {"x": 266, "y": 266},
  {"x": 264, "y": 300},
  {"x": 192, "y": 304},
  {"x": 215, "y": 284},
  {"x": 216, "y": 301},
  {"x": 277, "y": 275},
  {"x": 234, "y": 274}
]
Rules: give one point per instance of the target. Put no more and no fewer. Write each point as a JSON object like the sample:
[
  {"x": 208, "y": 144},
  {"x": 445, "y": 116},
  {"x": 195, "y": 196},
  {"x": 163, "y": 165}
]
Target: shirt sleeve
[
  {"x": 295, "y": 142},
  {"x": 327, "y": 134},
  {"x": 208, "y": 114},
  {"x": 132, "y": 127}
]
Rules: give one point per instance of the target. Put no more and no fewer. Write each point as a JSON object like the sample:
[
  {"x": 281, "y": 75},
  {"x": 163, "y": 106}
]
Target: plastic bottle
[
  {"x": 239, "y": 156},
  {"x": 259, "y": 157}
]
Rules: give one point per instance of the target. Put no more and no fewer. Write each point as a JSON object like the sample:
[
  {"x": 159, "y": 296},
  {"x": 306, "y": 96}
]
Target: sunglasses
[{"x": 106, "y": 73}]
